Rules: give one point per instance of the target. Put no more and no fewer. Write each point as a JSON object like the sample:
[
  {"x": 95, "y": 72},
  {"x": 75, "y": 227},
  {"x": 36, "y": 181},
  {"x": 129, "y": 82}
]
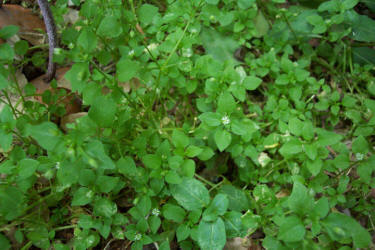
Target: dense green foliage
[{"x": 243, "y": 116}]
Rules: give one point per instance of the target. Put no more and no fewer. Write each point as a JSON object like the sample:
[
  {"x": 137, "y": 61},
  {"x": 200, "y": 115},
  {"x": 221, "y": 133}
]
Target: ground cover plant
[{"x": 200, "y": 122}]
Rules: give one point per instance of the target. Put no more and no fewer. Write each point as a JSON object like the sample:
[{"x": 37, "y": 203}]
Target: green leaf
[
  {"x": 311, "y": 150},
  {"x": 6, "y": 140},
  {"x": 222, "y": 139},
  {"x": 218, "y": 206},
  {"x": 172, "y": 177},
  {"x": 21, "y": 47},
  {"x": 12, "y": 202},
  {"x": 318, "y": 23},
  {"x": 46, "y": 134},
  {"x": 238, "y": 200},
  {"x": 269, "y": 242},
  {"x": 3, "y": 82},
  {"x": 261, "y": 25},
  {"x": 360, "y": 145},
  {"x": 321, "y": 207},
  {"x": 364, "y": 55},
  {"x": 292, "y": 147},
  {"x": 107, "y": 183},
  {"x": 211, "y": 119},
  {"x": 4, "y": 242},
  {"x": 182, "y": 232},
  {"x": 362, "y": 26},
  {"x": 78, "y": 75},
  {"x": 144, "y": 205},
  {"x": 220, "y": 47},
  {"x": 193, "y": 151},
  {"x": 365, "y": 169},
  {"x": 291, "y": 229},
  {"x": 87, "y": 40},
  {"x": 146, "y": 13},
  {"x": 155, "y": 223},
  {"x": 82, "y": 197},
  {"x": 95, "y": 150},
  {"x": 174, "y": 213},
  {"x": 126, "y": 69},
  {"x": 349, "y": 4},
  {"x": 252, "y": 82},
  {"x": 152, "y": 161},
  {"x": 8, "y": 31},
  {"x": 250, "y": 221},
  {"x": 86, "y": 177},
  {"x": 307, "y": 130},
  {"x": 190, "y": 194},
  {"x": 226, "y": 104},
  {"x": 175, "y": 162},
  {"x": 206, "y": 154},
  {"x": 27, "y": 167},
  {"x": 295, "y": 126},
  {"x": 245, "y": 4},
  {"x": 6, "y": 52},
  {"x": 300, "y": 201},
  {"x": 211, "y": 235},
  {"x": 103, "y": 111},
  {"x": 340, "y": 226},
  {"x": 213, "y": 2},
  {"x": 314, "y": 166},
  {"x": 233, "y": 225},
  {"x": 179, "y": 139},
  {"x": 370, "y": 4},
  {"x": 109, "y": 27},
  {"x": 39, "y": 237},
  {"x": 105, "y": 207},
  {"x": 188, "y": 168},
  {"x": 126, "y": 166}
]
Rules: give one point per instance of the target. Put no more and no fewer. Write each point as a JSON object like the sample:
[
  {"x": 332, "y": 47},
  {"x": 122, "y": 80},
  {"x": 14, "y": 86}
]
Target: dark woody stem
[{"x": 52, "y": 37}]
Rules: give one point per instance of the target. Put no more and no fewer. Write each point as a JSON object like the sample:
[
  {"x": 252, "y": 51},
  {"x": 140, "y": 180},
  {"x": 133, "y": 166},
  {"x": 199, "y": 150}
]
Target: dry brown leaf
[
  {"x": 71, "y": 118},
  {"x": 71, "y": 102},
  {"x": 29, "y": 23}
]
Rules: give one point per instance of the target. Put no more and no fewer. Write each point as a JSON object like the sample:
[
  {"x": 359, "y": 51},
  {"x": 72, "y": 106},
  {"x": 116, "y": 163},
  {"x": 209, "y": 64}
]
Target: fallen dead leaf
[
  {"x": 29, "y": 23},
  {"x": 71, "y": 118},
  {"x": 71, "y": 102}
]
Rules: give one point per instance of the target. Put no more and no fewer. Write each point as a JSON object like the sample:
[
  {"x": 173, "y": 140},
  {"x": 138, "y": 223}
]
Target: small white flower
[
  {"x": 90, "y": 194},
  {"x": 241, "y": 72},
  {"x": 194, "y": 30},
  {"x": 57, "y": 166},
  {"x": 131, "y": 53},
  {"x": 152, "y": 46},
  {"x": 90, "y": 240},
  {"x": 263, "y": 159},
  {"x": 359, "y": 156},
  {"x": 155, "y": 212},
  {"x": 187, "y": 52},
  {"x": 138, "y": 236},
  {"x": 57, "y": 51},
  {"x": 225, "y": 120}
]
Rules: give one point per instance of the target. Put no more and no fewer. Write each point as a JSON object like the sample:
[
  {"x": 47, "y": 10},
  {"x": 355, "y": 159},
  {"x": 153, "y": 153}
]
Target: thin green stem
[{"x": 204, "y": 180}]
